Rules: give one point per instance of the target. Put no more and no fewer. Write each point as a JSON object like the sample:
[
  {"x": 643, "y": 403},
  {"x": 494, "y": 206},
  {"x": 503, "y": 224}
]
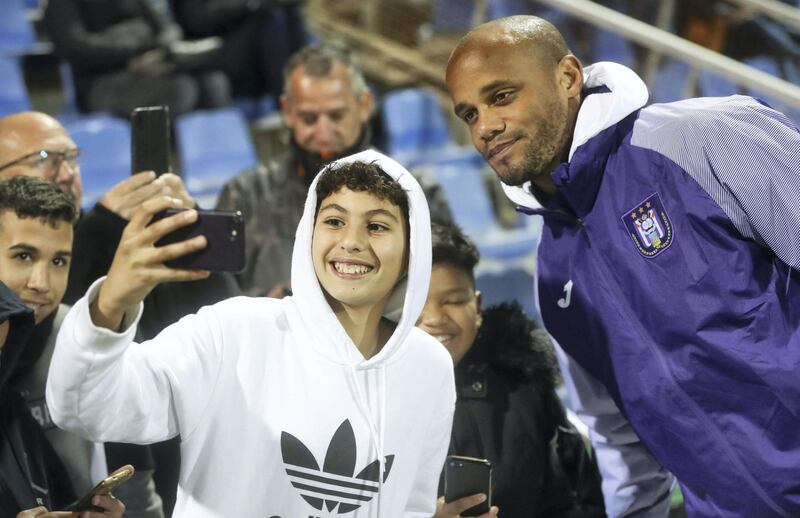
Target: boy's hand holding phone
[
  {"x": 112, "y": 508},
  {"x": 455, "y": 508},
  {"x": 138, "y": 265}
]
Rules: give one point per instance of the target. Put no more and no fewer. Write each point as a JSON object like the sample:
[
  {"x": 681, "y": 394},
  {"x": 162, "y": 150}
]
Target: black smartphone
[
  {"x": 106, "y": 486},
  {"x": 150, "y": 140},
  {"x": 466, "y": 476},
  {"x": 224, "y": 232}
]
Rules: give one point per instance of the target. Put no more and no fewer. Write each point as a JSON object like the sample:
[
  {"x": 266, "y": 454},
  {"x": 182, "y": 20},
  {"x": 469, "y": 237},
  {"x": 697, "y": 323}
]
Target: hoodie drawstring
[{"x": 376, "y": 430}]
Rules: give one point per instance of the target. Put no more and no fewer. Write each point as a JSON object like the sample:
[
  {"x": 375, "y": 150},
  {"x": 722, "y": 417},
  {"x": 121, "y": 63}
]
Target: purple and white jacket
[{"x": 668, "y": 270}]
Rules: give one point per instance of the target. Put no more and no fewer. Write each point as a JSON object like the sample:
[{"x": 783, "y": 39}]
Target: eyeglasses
[{"x": 47, "y": 161}]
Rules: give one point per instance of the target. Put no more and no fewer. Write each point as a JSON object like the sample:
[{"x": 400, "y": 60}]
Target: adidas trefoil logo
[{"x": 334, "y": 485}]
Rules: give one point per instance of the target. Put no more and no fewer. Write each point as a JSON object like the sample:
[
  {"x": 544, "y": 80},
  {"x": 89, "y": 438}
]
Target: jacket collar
[{"x": 612, "y": 92}]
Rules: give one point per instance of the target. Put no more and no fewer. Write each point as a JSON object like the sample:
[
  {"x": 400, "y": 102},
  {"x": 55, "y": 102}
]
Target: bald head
[
  {"x": 26, "y": 134},
  {"x": 531, "y": 36},
  {"x": 19, "y": 130},
  {"x": 516, "y": 86}
]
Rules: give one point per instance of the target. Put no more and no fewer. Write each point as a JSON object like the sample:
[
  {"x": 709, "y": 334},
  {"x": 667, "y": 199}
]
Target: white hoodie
[{"x": 278, "y": 412}]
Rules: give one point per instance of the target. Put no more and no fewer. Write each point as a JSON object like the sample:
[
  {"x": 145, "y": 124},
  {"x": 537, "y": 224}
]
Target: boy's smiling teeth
[{"x": 352, "y": 269}]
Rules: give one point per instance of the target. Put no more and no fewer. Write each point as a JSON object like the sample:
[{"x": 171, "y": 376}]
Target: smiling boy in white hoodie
[{"x": 311, "y": 406}]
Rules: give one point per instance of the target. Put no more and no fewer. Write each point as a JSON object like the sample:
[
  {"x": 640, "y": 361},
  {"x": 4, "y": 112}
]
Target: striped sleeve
[{"x": 745, "y": 155}]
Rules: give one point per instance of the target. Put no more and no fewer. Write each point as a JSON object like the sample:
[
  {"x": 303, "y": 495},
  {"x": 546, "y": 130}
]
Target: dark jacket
[
  {"x": 508, "y": 412},
  {"x": 31, "y": 474}
]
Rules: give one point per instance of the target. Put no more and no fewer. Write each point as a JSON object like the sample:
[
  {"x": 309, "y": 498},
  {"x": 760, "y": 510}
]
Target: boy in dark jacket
[
  {"x": 32, "y": 477},
  {"x": 507, "y": 409}
]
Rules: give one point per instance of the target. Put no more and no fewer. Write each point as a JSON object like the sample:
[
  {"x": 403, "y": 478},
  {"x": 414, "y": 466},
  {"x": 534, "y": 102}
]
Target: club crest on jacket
[{"x": 648, "y": 225}]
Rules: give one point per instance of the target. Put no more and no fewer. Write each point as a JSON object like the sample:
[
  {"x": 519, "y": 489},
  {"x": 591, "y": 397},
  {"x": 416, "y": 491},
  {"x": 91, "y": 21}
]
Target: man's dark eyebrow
[
  {"x": 485, "y": 90},
  {"x": 25, "y": 247},
  {"x": 494, "y": 85}
]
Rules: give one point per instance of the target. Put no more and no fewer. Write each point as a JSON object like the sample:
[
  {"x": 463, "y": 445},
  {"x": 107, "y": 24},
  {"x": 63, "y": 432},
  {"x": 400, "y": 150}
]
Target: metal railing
[
  {"x": 663, "y": 42},
  {"x": 778, "y": 11}
]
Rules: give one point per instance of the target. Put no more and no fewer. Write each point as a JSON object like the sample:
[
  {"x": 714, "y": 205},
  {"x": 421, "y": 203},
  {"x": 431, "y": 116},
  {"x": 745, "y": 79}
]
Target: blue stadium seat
[
  {"x": 13, "y": 93},
  {"x": 452, "y": 15},
  {"x": 16, "y": 33},
  {"x": 415, "y": 125},
  {"x": 459, "y": 172},
  {"x": 459, "y": 175},
  {"x": 610, "y": 46},
  {"x": 506, "y": 285},
  {"x": 256, "y": 108},
  {"x": 213, "y": 146},
  {"x": 767, "y": 64},
  {"x": 105, "y": 158},
  {"x": 69, "y": 110},
  {"x": 770, "y": 65},
  {"x": 669, "y": 83},
  {"x": 712, "y": 84}
]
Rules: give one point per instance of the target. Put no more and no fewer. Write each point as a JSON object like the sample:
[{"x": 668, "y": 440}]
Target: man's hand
[
  {"x": 42, "y": 512},
  {"x": 456, "y": 507},
  {"x": 280, "y": 290},
  {"x": 112, "y": 508},
  {"x": 138, "y": 264},
  {"x": 124, "y": 198},
  {"x": 152, "y": 63}
]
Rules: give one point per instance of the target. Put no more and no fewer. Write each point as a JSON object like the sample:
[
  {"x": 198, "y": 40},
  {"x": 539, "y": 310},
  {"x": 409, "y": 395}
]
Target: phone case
[
  {"x": 224, "y": 232},
  {"x": 105, "y": 486},
  {"x": 150, "y": 140},
  {"x": 466, "y": 476}
]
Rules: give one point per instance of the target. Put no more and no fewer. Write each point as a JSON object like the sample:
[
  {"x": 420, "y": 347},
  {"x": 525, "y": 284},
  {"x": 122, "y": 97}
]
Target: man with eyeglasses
[{"x": 35, "y": 144}]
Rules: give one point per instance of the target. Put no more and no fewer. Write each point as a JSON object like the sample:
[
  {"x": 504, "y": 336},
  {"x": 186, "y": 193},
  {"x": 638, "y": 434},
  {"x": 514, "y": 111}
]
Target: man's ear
[
  {"x": 286, "y": 110},
  {"x": 570, "y": 75},
  {"x": 365, "y": 105}
]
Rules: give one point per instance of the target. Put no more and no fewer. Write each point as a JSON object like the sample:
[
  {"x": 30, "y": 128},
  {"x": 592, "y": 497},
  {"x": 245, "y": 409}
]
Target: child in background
[{"x": 507, "y": 409}]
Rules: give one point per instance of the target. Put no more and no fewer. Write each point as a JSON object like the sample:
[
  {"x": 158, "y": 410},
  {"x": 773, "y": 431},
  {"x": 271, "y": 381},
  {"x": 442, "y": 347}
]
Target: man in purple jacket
[{"x": 667, "y": 270}]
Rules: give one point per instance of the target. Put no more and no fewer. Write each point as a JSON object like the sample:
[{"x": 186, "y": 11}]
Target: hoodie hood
[
  {"x": 614, "y": 92},
  {"x": 21, "y": 318},
  {"x": 308, "y": 307}
]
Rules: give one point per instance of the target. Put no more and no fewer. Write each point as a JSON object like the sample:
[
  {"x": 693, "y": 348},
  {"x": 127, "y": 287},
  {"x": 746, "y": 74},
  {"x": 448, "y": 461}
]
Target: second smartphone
[{"x": 466, "y": 476}]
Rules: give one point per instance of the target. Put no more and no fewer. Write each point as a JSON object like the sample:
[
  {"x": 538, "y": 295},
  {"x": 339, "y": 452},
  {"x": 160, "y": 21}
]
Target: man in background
[{"x": 326, "y": 106}]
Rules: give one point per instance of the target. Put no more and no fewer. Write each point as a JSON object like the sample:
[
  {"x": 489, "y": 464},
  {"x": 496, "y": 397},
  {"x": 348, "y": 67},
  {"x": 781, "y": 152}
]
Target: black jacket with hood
[
  {"x": 31, "y": 474},
  {"x": 508, "y": 412}
]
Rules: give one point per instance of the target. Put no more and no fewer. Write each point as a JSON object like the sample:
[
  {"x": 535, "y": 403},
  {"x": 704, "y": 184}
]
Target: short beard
[{"x": 544, "y": 149}]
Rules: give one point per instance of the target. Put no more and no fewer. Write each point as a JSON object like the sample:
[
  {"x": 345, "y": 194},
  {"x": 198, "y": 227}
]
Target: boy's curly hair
[{"x": 362, "y": 177}]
